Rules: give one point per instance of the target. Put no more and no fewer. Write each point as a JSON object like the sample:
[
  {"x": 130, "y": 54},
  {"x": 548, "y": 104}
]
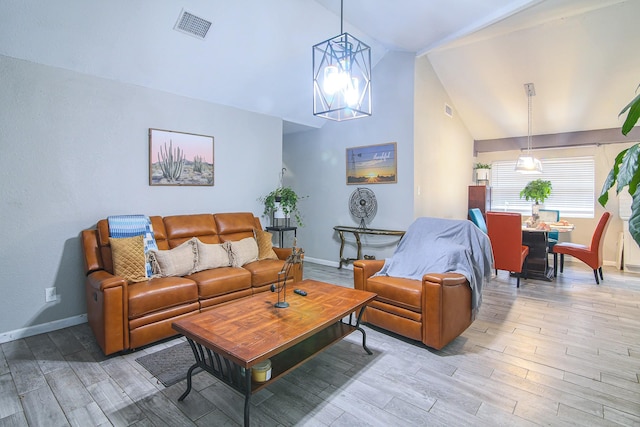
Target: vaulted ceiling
[{"x": 580, "y": 54}]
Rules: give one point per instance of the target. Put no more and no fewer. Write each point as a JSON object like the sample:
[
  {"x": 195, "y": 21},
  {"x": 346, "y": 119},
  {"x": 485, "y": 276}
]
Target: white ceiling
[{"x": 580, "y": 54}]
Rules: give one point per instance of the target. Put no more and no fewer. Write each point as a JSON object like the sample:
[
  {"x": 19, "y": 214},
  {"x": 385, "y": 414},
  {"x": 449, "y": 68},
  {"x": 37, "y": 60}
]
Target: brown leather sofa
[
  {"x": 125, "y": 316},
  {"x": 434, "y": 311}
]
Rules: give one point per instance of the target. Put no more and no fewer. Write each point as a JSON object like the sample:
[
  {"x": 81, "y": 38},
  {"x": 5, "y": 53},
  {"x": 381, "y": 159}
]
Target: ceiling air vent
[
  {"x": 193, "y": 25},
  {"x": 448, "y": 110}
]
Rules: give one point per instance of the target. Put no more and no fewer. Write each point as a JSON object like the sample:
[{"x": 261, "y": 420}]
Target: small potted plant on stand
[
  {"x": 482, "y": 173},
  {"x": 538, "y": 191},
  {"x": 281, "y": 203}
]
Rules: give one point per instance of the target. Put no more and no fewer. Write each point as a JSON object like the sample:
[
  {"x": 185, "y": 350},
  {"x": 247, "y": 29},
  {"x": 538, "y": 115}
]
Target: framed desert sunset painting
[
  {"x": 177, "y": 158},
  {"x": 372, "y": 164}
]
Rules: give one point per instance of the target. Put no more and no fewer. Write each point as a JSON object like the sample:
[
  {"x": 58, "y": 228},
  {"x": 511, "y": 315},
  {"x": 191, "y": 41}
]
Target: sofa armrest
[
  {"x": 101, "y": 280},
  {"x": 445, "y": 279},
  {"x": 363, "y": 269},
  {"x": 91, "y": 251},
  {"x": 446, "y": 305},
  {"x": 108, "y": 310}
]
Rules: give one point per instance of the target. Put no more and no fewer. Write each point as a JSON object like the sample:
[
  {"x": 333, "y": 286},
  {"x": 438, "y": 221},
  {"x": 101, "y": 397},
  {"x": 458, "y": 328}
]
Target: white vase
[
  {"x": 482, "y": 176},
  {"x": 535, "y": 211},
  {"x": 278, "y": 212}
]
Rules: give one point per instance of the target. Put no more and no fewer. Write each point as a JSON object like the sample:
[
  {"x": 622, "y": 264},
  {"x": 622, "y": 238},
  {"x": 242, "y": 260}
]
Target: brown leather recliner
[{"x": 434, "y": 311}]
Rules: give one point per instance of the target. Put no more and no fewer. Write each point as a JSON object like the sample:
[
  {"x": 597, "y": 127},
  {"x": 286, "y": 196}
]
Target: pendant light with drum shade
[
  {"x": 341, "y": 77},
  {"x": 527, "y": 163}
]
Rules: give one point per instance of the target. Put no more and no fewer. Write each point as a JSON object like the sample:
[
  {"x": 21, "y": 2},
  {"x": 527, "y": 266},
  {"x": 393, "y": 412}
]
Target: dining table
[{"x": 537, "y": 239}]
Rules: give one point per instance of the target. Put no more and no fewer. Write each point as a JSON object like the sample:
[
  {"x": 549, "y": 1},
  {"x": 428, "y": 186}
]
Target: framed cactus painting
[{"x": 178, "y": 158}]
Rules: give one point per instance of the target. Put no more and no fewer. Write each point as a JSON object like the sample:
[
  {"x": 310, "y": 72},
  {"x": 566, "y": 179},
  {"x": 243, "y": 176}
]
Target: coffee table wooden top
[{"x": 251, "y": 330}]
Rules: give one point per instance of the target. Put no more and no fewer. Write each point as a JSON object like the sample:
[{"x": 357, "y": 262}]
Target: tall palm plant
[{"x": 625, "y": 169}]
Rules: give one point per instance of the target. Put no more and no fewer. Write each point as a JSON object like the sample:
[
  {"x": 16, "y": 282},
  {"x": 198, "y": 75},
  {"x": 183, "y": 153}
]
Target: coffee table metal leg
[
  {"x": 247, "y": 396},
  {"x": 364, "y": 334},
  {"x": 190, "y": 371},
  {"x": 188, "y": 390}
]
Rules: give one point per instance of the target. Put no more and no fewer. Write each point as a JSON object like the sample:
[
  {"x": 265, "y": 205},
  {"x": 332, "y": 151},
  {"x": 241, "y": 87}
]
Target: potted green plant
[
  {"x": 482, "y": 172},
  {"x": 537, "y": 191},
  {"x": 625, "y": 169},
  {"x": 282, "y": 203}
]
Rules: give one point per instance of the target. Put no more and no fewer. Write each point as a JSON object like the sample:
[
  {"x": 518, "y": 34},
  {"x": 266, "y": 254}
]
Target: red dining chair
[
  {"x": 505, "y": 233},
  {"x": 590, "y": 255}
]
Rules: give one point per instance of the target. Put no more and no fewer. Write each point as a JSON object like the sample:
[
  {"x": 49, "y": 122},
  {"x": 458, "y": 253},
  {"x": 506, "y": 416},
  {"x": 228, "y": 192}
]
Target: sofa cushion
[
  {"x": 406, "y": 293},
  {"x": 265, "y": 271},
  {"x": 243, "y": 251},
  {"x": 265, "y": 247},
  {"x": 212, "y": 256},
  {"x": 235, "y": 226},
  {"x": 128, "y": 258},
  {"x": 159, "y": 294},
  {"x": 180, "y": 228},
  {"x": 178, "y": 261},
  {"x": 220, "y": 281}
]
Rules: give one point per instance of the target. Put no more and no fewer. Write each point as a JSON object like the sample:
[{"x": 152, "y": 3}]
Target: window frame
[{"x": 572, "y": 179}]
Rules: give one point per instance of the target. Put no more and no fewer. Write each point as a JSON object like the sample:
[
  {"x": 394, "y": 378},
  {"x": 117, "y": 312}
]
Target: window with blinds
[{"x": 572, "y": 180}]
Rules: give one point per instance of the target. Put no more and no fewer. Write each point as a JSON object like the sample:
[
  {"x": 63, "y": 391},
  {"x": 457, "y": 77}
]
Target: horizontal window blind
[{"x": 572, "y": 180}]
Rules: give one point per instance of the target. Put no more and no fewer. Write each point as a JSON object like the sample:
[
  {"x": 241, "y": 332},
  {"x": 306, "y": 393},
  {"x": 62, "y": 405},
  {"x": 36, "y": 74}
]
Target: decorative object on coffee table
[{"x": 281, "y": 285}]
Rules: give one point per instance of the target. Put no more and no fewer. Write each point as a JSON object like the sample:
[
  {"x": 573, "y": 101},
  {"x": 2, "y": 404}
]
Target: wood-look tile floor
[{"x": 560, "y": 353}]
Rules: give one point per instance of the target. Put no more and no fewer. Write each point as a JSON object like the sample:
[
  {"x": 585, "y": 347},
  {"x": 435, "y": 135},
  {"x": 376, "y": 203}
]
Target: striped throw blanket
[{"x": 134, "y": 225}]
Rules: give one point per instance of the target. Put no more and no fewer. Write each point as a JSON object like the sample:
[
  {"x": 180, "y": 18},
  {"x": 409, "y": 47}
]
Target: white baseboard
[
  {"x": 321, "y": 261},
  {"x": 570, "y": 260},
  {"x": 327, "y": 263},
  {"x": 42, "y": 328}
]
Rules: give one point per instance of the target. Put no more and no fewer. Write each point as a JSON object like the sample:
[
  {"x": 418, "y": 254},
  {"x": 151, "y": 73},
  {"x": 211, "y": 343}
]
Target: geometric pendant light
[
  {"x": 342, "y": 77},
  {"x": 527, "y": 163}
]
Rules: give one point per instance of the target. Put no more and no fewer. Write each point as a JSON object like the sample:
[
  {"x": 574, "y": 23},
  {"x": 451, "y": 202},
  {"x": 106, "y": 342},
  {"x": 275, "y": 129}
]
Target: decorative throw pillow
[
  {"x": 265, "y": 247},
  {"x": 243, "y": 251},
  {"x": 128, "y": 258},
  {"x": 178, "y": 261},
  {"x": 212, "y": 255}
]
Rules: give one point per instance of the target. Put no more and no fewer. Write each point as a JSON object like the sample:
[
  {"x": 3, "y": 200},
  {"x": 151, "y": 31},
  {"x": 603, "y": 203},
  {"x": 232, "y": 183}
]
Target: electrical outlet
[{"x": 50, "y": 294}]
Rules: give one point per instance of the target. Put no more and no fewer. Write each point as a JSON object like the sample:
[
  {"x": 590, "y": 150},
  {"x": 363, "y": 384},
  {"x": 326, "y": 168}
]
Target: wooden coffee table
[{"x": 228, "y": 340}]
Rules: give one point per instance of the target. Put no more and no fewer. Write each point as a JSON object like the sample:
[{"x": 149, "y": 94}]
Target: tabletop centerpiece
[{"x": 537, "y": 191}]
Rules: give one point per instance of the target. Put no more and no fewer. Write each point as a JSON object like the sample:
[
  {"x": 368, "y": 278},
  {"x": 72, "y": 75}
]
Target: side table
[{"x": 281, "y": 230}]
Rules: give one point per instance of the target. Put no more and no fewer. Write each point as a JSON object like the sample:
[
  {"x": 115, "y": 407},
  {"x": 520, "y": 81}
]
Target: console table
[{"x": 357, "y": 231}]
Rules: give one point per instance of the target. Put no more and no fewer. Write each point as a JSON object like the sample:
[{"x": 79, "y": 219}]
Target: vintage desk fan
[{"x": 363, "y": 206}]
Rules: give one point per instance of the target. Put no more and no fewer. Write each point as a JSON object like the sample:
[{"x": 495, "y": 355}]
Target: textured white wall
[
  {"x": 316, "y": 166},
  {"x": 75, "y": 149},
  {"x": 443, "y": 150}
]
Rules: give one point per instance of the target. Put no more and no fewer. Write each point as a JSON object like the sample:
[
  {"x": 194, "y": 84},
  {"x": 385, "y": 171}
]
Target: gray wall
[
  {"x": 316, "y": 166},
  {"x": 75, "y": 150}
]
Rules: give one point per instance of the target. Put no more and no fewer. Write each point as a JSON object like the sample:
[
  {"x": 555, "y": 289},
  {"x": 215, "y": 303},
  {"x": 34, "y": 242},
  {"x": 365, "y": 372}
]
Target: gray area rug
[{"x": 170, "y": 365}]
